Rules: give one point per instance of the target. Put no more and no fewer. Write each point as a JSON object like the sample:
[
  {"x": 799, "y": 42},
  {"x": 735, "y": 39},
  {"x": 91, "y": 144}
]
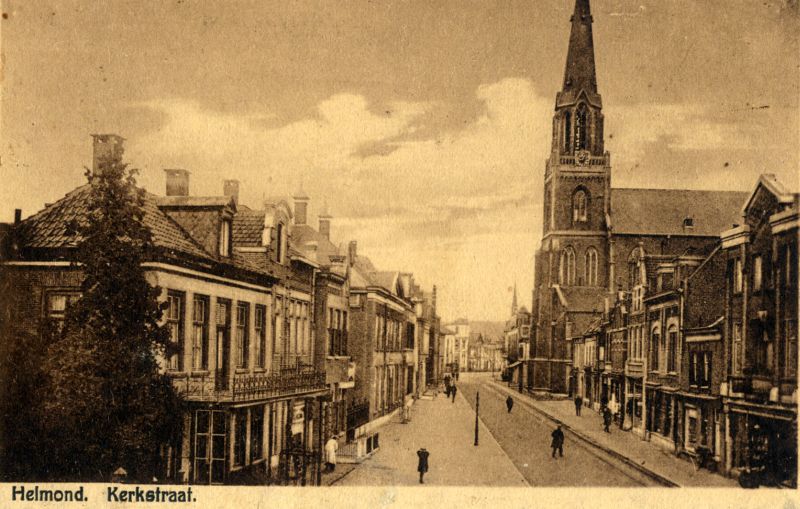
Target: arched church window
[
  {"x": 567, "y": 129},
  {"x": 580, "y": 204},
  {"x": 591, "y": 267},
  {"x": 566, "y": 274},
  {"x": 581, "y": 123}
]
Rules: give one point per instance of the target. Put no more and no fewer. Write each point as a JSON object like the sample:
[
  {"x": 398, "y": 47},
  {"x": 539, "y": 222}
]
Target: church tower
[{"x": 571, "y": 263}]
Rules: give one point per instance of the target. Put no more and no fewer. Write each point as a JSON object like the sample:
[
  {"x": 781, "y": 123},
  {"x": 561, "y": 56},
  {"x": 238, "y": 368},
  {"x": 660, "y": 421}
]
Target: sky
[{"x": 424, "y": 126}]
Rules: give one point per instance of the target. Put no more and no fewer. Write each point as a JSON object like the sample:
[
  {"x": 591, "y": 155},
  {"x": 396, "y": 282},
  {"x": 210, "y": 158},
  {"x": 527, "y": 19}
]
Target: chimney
[
  {"x": 352, "y": 251},
  {"x": 231, "y": 188},
  {"x": 17, "y": 216},
  {"x": 300, "y": 207},
  {"x": 325, "y": 223},
  {"x": 105, "y": 146},
  {"x": 177, "y": 182}
]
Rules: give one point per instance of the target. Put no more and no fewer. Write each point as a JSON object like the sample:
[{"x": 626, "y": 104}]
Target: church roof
[{"x": 664, "y": 211}]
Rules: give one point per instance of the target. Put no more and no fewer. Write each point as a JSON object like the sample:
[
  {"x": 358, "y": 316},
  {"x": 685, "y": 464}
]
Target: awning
[{"x": 517, "y": 363}]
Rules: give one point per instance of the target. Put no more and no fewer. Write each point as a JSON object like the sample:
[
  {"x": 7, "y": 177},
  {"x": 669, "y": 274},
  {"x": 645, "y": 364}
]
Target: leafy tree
[{"x": 107, "y": 404}]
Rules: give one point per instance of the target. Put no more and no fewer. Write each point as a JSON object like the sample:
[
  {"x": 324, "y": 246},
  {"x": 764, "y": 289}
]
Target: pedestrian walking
[
  {"x": 422, "y": 464},
  {"x": 606, "y": 419},
  {"x": 578, "y": 405},
  {"x": 331, "y": 446},
  {"x": 509, "y": 403},
  {"x": 453, "y": 392},
  {"x": 557, "y": 444}
]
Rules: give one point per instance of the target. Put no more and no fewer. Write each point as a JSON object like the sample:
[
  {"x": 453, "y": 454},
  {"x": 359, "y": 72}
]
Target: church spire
[
  {"x": 514, "y": 301},
  {"x": 579, "y": 73}
]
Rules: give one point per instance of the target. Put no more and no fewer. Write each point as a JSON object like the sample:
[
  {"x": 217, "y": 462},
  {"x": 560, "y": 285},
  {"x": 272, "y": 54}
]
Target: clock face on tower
[{"x": 582, "y": 157}]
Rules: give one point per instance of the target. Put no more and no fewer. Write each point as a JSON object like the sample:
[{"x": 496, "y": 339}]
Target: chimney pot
[
  {"x": 300, "y": 208},
  {"x": 177, "y": 182},
  {"x": 231, "y": 188},
  {"x": 105, "y": 146},
  {"x": 352, "y": 251},
  {"x": 17, "y": 216}
]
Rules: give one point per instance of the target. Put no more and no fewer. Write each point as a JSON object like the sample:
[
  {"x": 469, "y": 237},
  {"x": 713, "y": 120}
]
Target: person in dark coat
[
  {"x": 509, "y": 403},
  {"x": 453, "y": 392},
  {"x": 578, "y": 405},
  {"x": 606, "y": 419},
  {"x": 422, "y": 464},
  {"x": 603, "y": 401},
  {"x": 557, "y": 443}
]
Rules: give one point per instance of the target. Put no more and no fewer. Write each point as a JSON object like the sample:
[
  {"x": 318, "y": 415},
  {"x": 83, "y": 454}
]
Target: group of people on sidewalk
[{"x": 605, "y": 411}]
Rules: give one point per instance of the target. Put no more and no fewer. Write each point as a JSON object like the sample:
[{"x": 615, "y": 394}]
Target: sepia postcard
[{"x": 374, "y": 253}]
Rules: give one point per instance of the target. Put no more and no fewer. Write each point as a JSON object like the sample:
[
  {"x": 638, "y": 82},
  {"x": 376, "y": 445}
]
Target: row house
[
  {"x": 383, "y": 343},
  {"x": 240, "y": 308},
  {"x": 430, "y": 363},
  {"x": 460, "y": 345},
  {"x": 517, "y": 345},
  {"x": 448, "y": 341},
  {"x": 760, "y": 332},
  {"x": 698, "y": 352},
  {"x": 331, "y": 310}
]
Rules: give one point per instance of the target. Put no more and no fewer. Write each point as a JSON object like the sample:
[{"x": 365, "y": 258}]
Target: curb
[{"x": 611, "y": 452}]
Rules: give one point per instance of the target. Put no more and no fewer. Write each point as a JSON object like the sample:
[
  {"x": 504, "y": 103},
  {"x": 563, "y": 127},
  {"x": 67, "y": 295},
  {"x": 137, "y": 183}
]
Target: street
[
  {"x": 513, "y": 450},
  {"x": 524, "y": 435}
]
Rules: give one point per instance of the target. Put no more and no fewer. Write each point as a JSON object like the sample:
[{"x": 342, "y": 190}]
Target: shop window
[
  {"x": 240, "y": 437},
  {"x": 256, "y": 433}
]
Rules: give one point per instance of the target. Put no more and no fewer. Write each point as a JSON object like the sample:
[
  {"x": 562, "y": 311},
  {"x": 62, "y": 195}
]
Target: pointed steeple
[
  {"x": 579, "y": 73},
  {"x": 514, "y": 301}
]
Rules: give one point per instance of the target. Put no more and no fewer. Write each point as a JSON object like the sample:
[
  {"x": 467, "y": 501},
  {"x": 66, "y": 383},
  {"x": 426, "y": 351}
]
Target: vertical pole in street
[{"x": 477, "y": 406}]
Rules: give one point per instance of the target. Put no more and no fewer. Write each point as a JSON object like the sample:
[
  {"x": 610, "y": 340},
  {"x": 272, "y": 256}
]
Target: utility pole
[{"x": 477, "y": 406}]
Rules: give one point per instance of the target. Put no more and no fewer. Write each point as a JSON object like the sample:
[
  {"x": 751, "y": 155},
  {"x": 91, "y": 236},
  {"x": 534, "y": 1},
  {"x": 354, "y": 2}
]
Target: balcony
[
  {"x": 341, "y": 371},
  {"x": 634, "y": 368},
  {"x": 299, "y": 380}
]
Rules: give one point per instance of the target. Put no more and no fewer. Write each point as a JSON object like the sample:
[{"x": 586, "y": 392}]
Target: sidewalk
[
  {"x": 446, "y": 430},
  {"x": 623, "y": 444}
]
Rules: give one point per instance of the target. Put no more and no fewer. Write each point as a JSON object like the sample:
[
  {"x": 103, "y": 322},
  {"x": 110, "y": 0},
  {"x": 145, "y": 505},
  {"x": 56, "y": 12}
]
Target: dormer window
[{"x": 225, "y": 238}]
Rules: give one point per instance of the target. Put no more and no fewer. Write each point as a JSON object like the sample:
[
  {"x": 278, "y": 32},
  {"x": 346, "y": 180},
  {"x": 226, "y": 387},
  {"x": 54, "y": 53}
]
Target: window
[
  {"x": 256, "y": 433},
  {"x": 655, "y": 343},
  {"x": 240, "y": 431},
  {"x": 567, "y": 267},
  {"x": 700, "y": 369},
  {"x": 175, "y": 325},
  {"x": 672, "y": 346},
  {"x": 242, "y": 346},
  {"x": 591, "y": 267},
  {"x": 57, "y": 304},
  {"x": 757, "y": 273},
  {"x": 581, "y": 124},
  {"x": 567, "y": 132},
  {"x": 200, "y": 333},
  {"x": 279, "y": 243},
  {"x": 736, "y": 354},
  {"x": 579, "y": 206},
  {"x": 737, "y": 276},
  {"x": 261, "y": 335},
  {"x": 225, "y": 238}
]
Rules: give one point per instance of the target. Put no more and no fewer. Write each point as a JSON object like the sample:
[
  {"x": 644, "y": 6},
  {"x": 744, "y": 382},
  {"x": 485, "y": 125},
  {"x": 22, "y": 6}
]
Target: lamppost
[{"x": 477, "y": 406}]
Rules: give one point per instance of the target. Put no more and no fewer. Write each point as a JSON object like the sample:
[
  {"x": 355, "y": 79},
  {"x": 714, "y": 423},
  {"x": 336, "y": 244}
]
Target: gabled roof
[
  {"x": 49, "y": 228},
  {"x": 774, "y": 186},
  {"x": 663, "y": 211},
  {"x": 313, "y": 244},
  {"x": 583, "y": 299}
]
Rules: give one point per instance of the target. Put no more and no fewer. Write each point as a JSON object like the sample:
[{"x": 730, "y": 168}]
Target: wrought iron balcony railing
[{"x": 287, "y": 381}]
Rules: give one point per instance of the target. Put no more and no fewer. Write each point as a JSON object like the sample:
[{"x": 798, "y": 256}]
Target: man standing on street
[
  {"x": 578, "y": 405},
  {"x": 606, "y": 419},
  {"x": 453, "y": 392},
  {"x": 422, "y": 465},
  {"x": 509, "y": 403},
  {"x": 558, "y": 441}
]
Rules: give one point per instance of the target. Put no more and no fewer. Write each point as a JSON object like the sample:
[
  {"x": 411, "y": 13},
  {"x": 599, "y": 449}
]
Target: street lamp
[{"x": 477, "y": 406}]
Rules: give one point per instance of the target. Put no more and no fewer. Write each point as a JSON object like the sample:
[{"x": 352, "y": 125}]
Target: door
[{"x": 209, "y": 447}]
